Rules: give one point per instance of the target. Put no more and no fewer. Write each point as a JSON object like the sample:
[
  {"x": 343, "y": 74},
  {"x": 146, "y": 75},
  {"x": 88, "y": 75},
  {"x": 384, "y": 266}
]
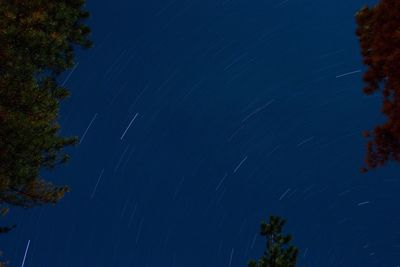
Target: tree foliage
[
  {"x": 378, "y": 31},
  {"x": 37, "y": 41},
  {"x": 278, "y": 252}
]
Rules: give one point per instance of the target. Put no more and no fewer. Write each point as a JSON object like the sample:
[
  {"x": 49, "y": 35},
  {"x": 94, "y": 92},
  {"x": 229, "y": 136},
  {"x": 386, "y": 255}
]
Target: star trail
[{"x": 199, "y": 119}]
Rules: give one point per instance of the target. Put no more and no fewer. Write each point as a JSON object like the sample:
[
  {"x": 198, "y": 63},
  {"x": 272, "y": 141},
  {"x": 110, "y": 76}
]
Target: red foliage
[{"x": 378, "y": 30}]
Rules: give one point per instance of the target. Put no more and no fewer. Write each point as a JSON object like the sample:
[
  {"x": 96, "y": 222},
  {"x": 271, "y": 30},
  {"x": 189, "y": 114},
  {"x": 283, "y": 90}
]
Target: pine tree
[
  {"x": 37, "y": 39},
  {"x": 378, "y": 31},
  {"x": 278, "y": 252}
]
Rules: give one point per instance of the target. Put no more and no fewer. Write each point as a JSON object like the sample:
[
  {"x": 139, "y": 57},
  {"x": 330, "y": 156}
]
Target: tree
[
  {"x": 37, "y": 38},
  {"x": 278, "y": 252},
  {"x": 378, "y": 31}
]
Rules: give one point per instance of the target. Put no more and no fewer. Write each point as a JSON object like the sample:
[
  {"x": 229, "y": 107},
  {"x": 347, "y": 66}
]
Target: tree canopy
[
  {"x": 378, "y": 31},
  {"x": 278, "y": 252},
  {"x": 37, "y": 38}
]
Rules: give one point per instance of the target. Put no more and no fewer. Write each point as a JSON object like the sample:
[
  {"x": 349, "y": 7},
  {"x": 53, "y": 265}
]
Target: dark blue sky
[{"x": 236, "y": 110}]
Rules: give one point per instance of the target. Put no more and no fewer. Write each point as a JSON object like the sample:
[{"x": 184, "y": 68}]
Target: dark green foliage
[
  {"x": 278, "y": 252},
  {"x": 37, "y": 40}
]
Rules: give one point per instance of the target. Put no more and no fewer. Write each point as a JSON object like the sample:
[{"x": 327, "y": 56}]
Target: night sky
[{"x": 200, "y": 118}]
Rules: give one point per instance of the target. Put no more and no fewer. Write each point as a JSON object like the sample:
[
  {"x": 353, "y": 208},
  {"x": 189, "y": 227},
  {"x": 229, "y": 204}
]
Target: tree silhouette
[
  {"x": 278, "y": 252},
  {"x": 378, "y": 31},
  {"x": 37, "y": 38}
]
